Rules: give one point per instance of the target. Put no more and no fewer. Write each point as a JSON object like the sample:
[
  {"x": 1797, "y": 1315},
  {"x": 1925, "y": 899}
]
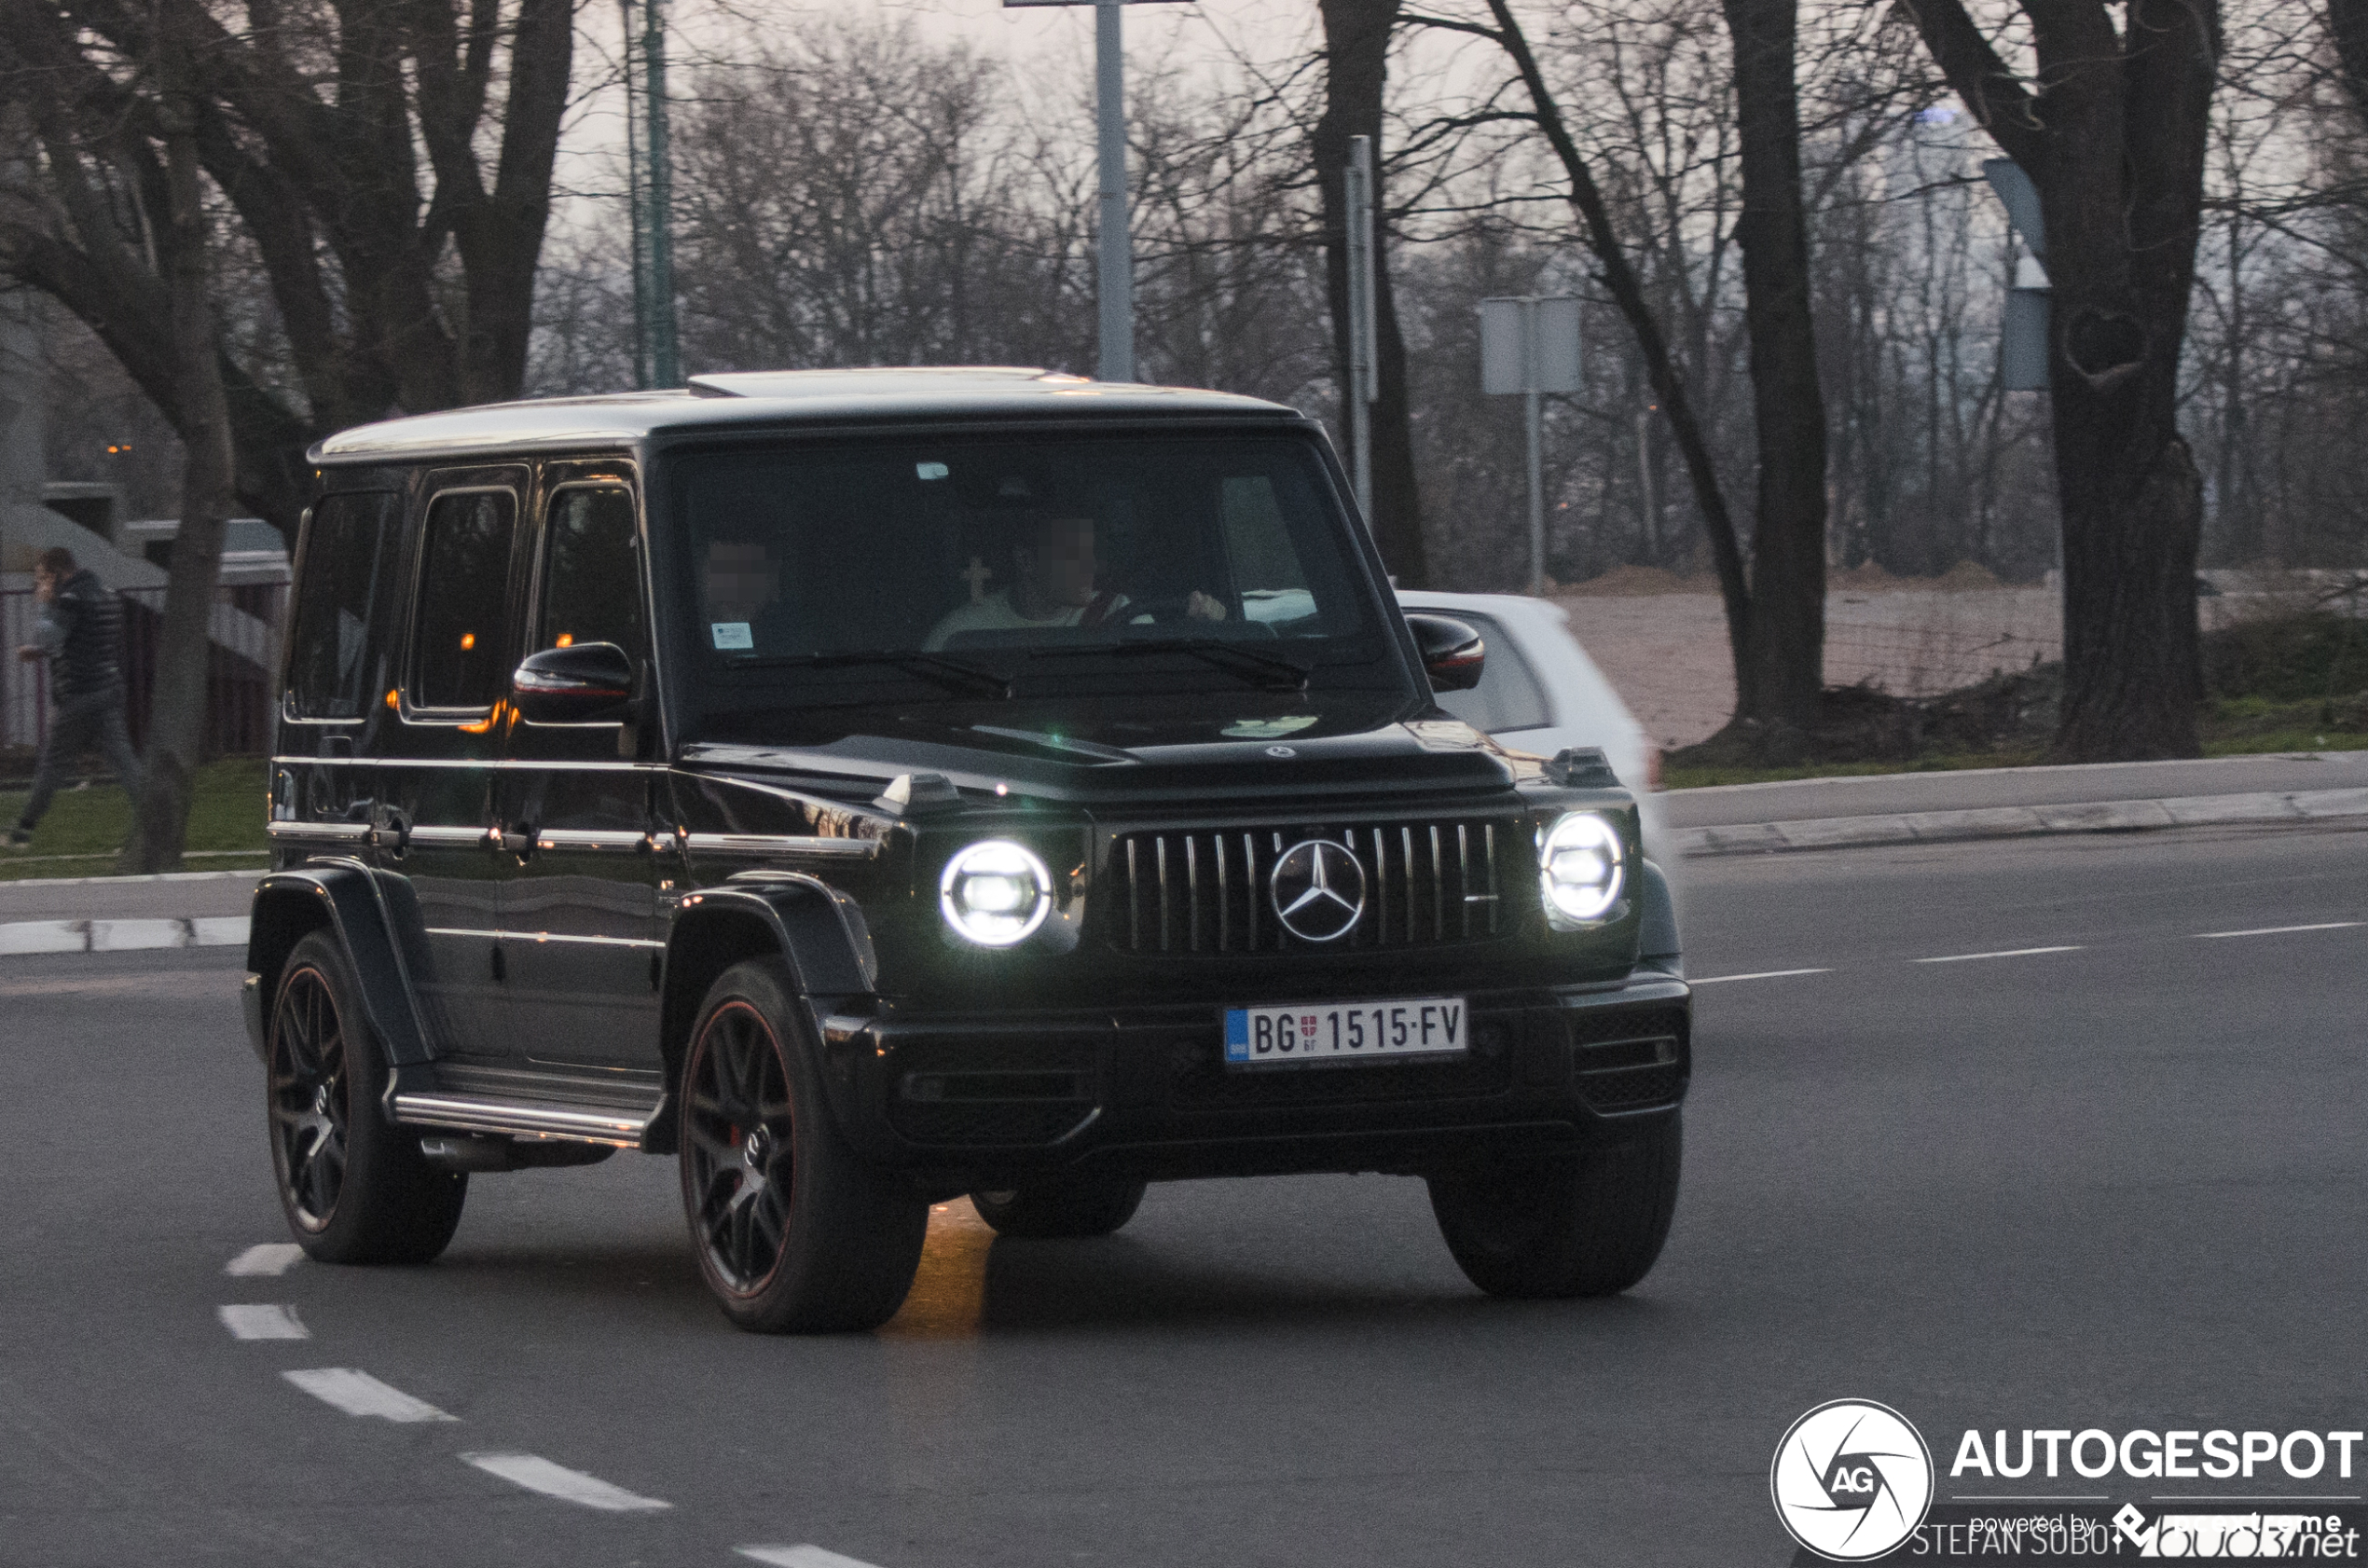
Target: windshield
[{"x": 980, "y": 568}]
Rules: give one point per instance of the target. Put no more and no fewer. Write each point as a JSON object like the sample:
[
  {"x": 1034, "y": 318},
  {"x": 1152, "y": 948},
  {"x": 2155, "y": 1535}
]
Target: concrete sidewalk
[
  {"x": 2016, "y": 803},
  {"x": 125, "y": 913}
]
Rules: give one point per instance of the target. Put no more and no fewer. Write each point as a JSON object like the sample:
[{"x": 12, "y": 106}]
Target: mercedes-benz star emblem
[
  {"x": 1281, "y": 751},
  {"x": 1318, "y": 889}
]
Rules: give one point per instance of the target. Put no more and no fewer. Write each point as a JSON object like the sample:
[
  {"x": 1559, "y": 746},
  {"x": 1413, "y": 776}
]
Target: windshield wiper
[
  {"x": 951, "y": 675},
  {"x": 1270, "y": 671}
]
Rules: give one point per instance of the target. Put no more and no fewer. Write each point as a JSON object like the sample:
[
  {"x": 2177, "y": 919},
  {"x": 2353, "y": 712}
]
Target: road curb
[
  {"x": 2021, "y": 821},
  {"x": 252, "y": 875},
  {"x": 21, "y": 937}
]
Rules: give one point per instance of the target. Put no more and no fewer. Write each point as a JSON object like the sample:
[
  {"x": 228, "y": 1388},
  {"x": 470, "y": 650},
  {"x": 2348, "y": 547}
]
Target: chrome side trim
[
  {"x": 543, "y": 936},
  {"x": 783, "y": 844},
  {"x": 463, "y": 836},
  {"x": 318, "y": 832},
  {"x": 620, "y": 1129},
  {"x": 602, "y": 842},
  {"x": 510, "y": 763}
]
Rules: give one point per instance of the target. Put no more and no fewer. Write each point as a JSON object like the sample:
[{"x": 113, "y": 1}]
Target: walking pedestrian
[{"x": 81, "y": 635}]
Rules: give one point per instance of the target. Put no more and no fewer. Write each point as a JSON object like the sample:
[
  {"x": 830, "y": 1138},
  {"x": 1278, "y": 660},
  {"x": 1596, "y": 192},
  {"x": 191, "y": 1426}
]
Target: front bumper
[{"x": 983, "y": 1100}]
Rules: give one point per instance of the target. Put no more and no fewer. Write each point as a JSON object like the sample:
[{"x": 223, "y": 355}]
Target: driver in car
[{"x": 1052, "y": 571}]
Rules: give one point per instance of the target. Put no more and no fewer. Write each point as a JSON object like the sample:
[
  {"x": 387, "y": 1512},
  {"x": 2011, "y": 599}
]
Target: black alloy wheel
[
  {"x": 739, "y": 1169},
  {"x": 354, "y": 1186},
  {"x": 795, "y": 1232},
  {"x": 311, "y": 1100}
]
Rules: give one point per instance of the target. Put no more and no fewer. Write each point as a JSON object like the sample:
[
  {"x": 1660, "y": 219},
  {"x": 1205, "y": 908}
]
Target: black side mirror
[
  {"x": 1452, "y": 652},
  {"x": 584, "y": 683}
]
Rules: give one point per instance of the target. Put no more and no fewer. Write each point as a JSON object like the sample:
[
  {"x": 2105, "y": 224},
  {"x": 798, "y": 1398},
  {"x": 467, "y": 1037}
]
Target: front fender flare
[
  {"x": 368, "y": 912},
  {"x": 1657, "y": 938},
  {"x": 816, "y": 929}
]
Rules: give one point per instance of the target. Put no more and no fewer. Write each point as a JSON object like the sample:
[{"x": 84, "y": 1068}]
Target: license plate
[{"x": 1274, "y": 1036}]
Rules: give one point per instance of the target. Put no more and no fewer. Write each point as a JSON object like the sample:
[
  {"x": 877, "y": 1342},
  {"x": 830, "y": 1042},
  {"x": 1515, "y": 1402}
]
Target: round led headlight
[
  {"x": 996, "y": 893},
  {"x": 1581, "y": 867}
]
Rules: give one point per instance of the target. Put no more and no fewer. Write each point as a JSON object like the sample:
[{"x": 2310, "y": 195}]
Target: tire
[
  {"x": 1071, "y": 1208},
  {"x": 1549, "y": 1230},
  {"x": 354, "y": 1185},
  {"x": 794, "y": 1233}
]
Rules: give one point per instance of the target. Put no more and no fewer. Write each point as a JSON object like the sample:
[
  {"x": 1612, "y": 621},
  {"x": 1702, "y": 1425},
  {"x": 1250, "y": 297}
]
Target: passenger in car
[
  {"x": 1053, "y": 572},
  {"x": 743, "y": 589}
]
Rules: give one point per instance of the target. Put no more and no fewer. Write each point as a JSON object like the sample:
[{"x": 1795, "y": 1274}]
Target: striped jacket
[{"x": 82, "y": 632}]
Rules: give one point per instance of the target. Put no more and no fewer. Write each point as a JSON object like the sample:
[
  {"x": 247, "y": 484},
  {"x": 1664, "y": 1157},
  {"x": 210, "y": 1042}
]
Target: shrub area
[
  {"x": 86, "y": 827},
  {"x": 2290, "y": 682}
]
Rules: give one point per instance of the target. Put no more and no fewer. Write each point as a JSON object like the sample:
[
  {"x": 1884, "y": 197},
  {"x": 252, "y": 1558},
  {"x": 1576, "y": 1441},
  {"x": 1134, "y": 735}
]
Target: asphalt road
[{"x": 2119, "y": 1183}]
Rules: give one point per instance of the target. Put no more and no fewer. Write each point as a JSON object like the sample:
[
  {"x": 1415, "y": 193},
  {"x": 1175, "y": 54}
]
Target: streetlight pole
[
  {"x": 657, "y": 358},
  {"x": 1115, "y": 245},
  {"x": 666, "y": 354},
  {"x": 1363, "y": 385},
  {"x": 1114, "y": 250}
]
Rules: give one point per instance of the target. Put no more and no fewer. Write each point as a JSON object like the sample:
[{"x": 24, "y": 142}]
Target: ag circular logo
[
  {"x": 1851, "y": 1479},
  {"x": 1318, "y": 889}
]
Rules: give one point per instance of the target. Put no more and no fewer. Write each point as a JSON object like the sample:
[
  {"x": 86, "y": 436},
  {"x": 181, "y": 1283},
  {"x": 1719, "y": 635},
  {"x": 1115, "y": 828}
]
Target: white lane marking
[
  {"x": 2279, "y": 931},
  {"x": 1763, "y": 974},
  {"x": 537, "y": 1474},
  {"x": 218, "y": 931},
  {"x": 357, "y": 1393},
  {"x": 266, "y": 1257},
  {"x": 263, "y": 1322},
  {"x": 2010, "y": 953},
  {"x": 799, "y": 1557}
]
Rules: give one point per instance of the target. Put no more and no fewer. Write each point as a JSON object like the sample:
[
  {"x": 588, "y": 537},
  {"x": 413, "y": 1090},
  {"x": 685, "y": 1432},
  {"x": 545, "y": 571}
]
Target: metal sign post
[
  {"x": 1114, "y": 255},
  {"x": 1529, "y": 344},
  {"x": 1364, "y": 381},
  {"x": 2022, "y": 332}
]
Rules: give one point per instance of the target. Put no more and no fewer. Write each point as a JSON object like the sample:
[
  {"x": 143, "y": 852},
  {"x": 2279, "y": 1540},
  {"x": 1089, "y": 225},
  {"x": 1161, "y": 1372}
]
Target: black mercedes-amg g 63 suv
[{"x": 871, "y": 787}]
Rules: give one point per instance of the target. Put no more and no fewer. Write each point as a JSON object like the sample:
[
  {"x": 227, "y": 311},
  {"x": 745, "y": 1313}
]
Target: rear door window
[
  {"x": 460, "y": 656},
  {"x": 349, "y": 561}
]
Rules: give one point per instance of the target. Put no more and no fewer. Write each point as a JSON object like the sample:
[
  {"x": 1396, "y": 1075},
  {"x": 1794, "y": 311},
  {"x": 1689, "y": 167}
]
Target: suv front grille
[{"x": 1428, "y": 884}]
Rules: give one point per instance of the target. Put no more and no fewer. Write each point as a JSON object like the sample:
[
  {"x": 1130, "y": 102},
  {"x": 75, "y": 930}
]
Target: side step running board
[{"x": 617, "y": 1128}]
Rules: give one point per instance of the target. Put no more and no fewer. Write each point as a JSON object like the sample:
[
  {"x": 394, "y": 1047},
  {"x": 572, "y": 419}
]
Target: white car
[{"x": 1539, "y": 692}]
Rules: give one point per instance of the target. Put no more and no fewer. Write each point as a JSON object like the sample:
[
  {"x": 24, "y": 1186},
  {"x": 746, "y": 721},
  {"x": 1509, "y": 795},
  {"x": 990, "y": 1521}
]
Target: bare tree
[
  {"x": 391, "y": 292},
  {"x": 1620, "y": 280},
  {"x": 2112, "y": 130},
  {"x": 119, "y": 188},
  {"x": 1788, "y": 405},
  {"x": 1356, "y": 46}
]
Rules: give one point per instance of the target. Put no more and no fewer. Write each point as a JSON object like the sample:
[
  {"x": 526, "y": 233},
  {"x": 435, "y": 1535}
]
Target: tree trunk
[
  {"x": 1788, "y": 407},
  {"x": 177, "y": 705},
  {"x": 2115, "y": 138},
  {"x": 1668, "y": 388},
  {"x": 1356, "y": 39},
  {"x": 2347, "y": 25}
]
